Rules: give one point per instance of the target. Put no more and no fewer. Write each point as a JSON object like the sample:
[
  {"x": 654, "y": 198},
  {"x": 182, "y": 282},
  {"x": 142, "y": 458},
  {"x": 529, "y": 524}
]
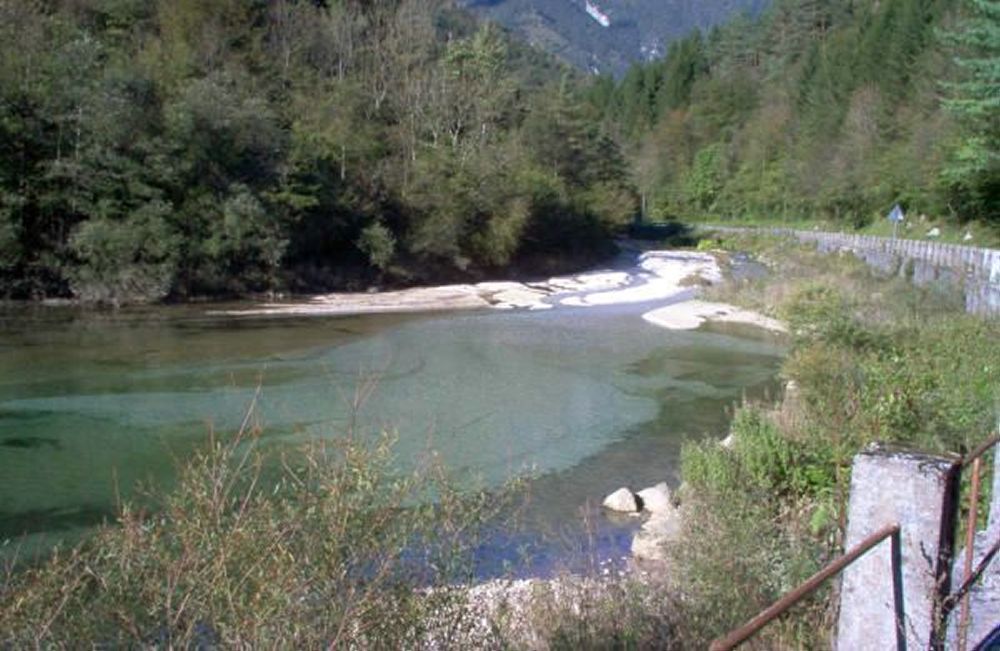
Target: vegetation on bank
[
  {"x": 872, "y": 359},
  {"x": 330, "y": 550},
  {"x": 820, "y": 109},
  {"x": 177, "y": 148}
]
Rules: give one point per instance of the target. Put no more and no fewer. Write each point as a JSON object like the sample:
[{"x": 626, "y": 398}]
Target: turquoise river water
[{"x": 587, "y": 399}]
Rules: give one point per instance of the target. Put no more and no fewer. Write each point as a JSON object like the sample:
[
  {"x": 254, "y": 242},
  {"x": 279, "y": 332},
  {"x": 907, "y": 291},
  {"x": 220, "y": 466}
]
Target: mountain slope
[{"x": 635, "y": 29}]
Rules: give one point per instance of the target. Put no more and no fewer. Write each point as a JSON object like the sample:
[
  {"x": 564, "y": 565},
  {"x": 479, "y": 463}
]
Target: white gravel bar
[{"x": 667, "y": 280}]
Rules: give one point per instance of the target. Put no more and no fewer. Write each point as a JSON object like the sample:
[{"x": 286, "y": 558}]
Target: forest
[
  {"x": 178, "y": 148},
  {"x": 831, "y": 110},
  {"x": 171, "y": 149}
]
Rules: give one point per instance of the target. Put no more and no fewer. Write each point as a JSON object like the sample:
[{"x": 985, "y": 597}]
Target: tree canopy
[
  {"x": 172, "y": 148},
  {"x": 830, "y": 108}
]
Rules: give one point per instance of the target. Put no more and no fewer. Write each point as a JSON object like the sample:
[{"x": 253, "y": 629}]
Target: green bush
[
  {"x": 761, "y": 460},
  {"x": 131, "y": 260},
  {"x": 936, "y": 387},
  {"x": 738, "y": 552},
  {"x": 378, "y": 243}
]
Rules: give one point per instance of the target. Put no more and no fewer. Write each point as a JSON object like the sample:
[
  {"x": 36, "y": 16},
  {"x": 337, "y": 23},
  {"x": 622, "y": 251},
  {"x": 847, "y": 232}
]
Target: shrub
[
  {"x": 332, "y": 549},
  {"x": 379, "y": 244},
  {"x": 134, "y": 260},
  {"x": 736, "y": 555}
]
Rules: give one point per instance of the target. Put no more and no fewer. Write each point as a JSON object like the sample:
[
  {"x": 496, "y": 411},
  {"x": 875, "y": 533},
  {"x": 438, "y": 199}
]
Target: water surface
[{"x": 587, "y": 399}]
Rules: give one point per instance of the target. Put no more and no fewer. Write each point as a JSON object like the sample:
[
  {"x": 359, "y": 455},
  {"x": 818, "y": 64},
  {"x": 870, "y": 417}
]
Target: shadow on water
[
  {"x": 30, "y": 443},
  {"x": 54, "y": 519}
]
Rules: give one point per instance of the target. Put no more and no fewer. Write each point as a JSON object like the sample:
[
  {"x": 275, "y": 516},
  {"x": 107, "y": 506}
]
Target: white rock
[
  {"x": 651, "y": 540},
  {"x": 934, "y": 232},
  {"x": 728, "y": 442},
  {"x": 656, "y": 499},
  {"x": 967, "y": 237},
  {"x": 621, "y": 500}
]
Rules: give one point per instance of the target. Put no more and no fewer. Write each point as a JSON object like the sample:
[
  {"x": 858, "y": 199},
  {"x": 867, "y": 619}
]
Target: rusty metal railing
[
  {"x": 975, "y": 458},
  {"x": 810, "y": 585},
  {"x": 959, "y": 598}
]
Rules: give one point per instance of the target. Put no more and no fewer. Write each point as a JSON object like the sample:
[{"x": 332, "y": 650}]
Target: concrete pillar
[{"x": 918, "y": 492}]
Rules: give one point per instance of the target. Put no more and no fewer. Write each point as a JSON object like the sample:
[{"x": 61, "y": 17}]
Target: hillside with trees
[
  {"x": 821, "y": 109},
  {"x": 168, "y": 149}
]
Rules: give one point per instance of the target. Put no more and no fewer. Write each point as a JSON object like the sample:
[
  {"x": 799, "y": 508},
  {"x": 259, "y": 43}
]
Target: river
[{"x": 587, "y": 400}]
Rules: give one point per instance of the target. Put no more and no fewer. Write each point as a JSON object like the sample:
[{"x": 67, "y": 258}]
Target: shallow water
[{"x": 587, "y": 399}]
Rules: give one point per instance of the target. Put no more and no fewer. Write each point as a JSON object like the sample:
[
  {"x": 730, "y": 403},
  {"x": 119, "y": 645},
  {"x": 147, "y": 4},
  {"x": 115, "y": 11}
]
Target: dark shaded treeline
[
  {"x": 829, "y": 108},
  {"x": 179, "y": 147}
]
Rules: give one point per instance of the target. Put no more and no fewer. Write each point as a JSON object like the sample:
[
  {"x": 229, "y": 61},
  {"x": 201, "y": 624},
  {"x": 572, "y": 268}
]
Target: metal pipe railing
[
  {"x": 968, "y": 577},
  {"x": 752, "y": 627},
  {"x": 967, "y": 584},
  {"x": 981, "y": 449}
]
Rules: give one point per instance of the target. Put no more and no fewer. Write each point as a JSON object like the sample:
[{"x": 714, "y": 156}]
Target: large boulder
[
  {"x": 622, "y": 500},
  {"x": 656, "y": 499}
]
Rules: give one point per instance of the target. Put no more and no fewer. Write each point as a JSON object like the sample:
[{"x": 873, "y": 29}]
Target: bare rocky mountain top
[{"x": 634, "y": 30}]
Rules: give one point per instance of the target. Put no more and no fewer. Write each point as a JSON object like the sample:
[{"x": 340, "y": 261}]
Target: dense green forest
[
  {"x": 828, "y": 109},
  {"x": 171, "y": 148}
]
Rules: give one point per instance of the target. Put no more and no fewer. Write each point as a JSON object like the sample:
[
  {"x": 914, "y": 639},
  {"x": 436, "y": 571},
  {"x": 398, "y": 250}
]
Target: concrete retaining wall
[{"x": 976, "y": 270}]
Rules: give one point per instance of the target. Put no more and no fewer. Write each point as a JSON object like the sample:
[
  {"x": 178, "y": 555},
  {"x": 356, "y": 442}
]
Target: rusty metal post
[
  {"x": 897, "y": 589},
  {"x": 748, "y": 630},
  {"x": 970, "y": 548}
]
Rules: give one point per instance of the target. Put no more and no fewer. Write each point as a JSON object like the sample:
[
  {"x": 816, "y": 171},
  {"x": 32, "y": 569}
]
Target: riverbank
[
  {"x": 873, "y": 357},
  {"x": 669, "y": 281}
]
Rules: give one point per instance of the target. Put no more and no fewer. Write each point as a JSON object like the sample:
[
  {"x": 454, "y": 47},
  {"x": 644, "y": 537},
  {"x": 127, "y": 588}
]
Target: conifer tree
[
  {"x": 684, "y": 65},
  {"x": 974, "y": 171}
]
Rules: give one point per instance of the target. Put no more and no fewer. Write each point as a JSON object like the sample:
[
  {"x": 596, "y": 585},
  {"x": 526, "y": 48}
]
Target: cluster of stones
[{"x": 662, "y": 526}]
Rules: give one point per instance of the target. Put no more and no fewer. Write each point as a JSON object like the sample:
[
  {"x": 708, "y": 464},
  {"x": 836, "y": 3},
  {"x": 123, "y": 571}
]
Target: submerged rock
[{"x": 622, "y": 500}]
